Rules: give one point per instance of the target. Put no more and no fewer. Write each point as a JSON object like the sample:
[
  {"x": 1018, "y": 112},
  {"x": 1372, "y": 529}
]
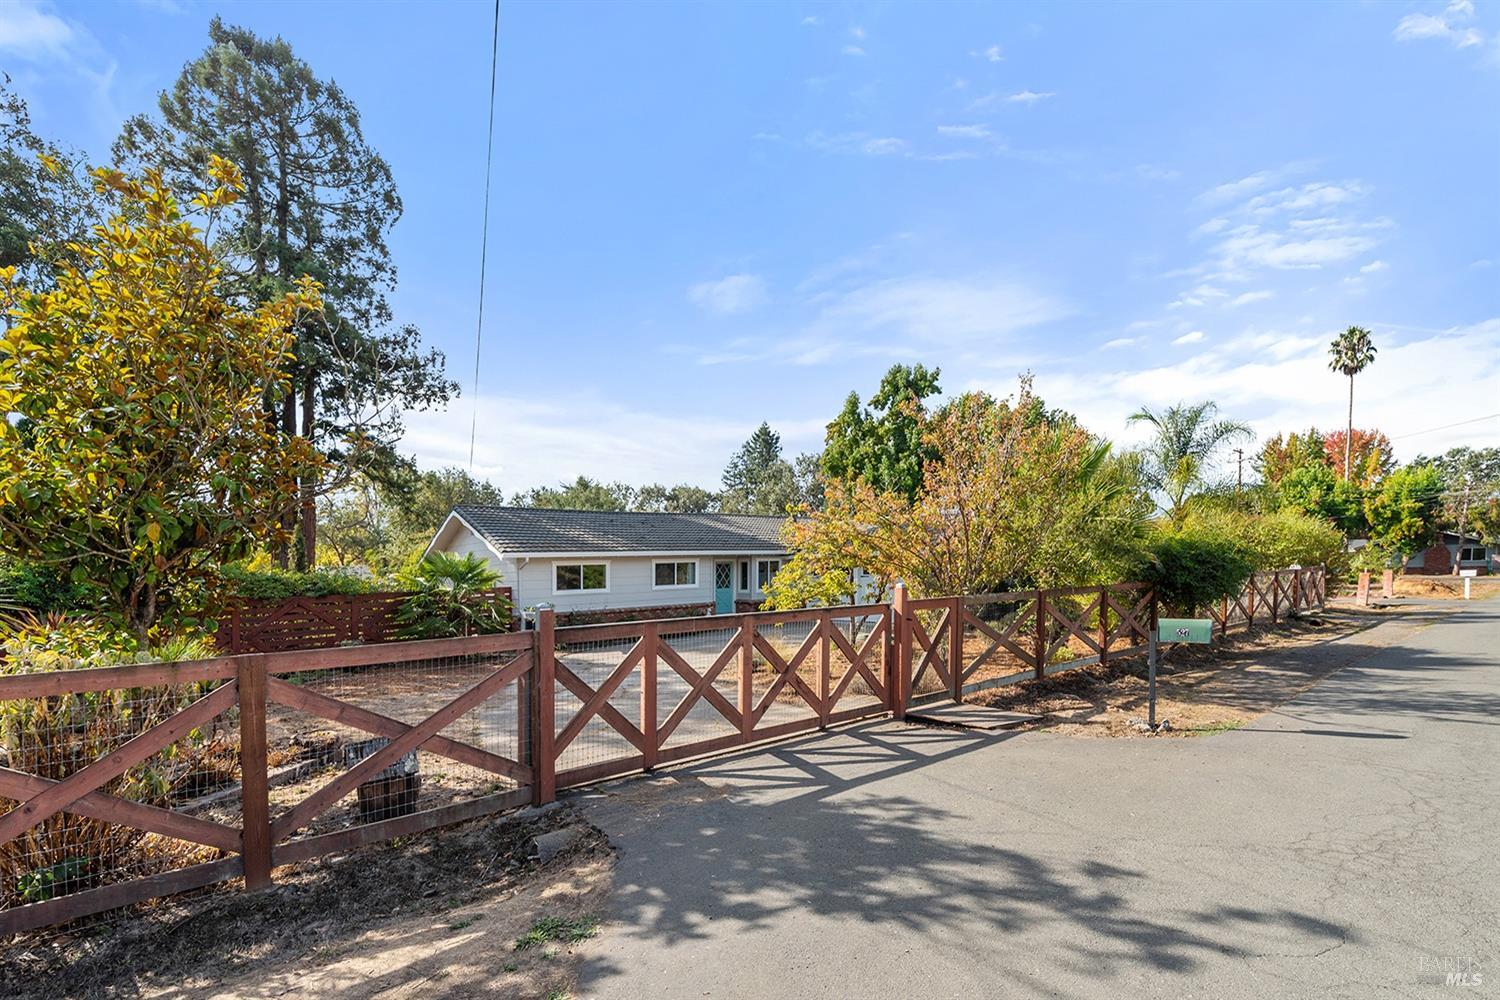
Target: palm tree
[
  {"x": 1351, "y": 353},
  {"x": 1187, "y": 436}
]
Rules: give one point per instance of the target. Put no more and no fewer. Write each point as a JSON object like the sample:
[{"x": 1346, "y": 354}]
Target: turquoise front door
[{"x": 723, "y": 588}]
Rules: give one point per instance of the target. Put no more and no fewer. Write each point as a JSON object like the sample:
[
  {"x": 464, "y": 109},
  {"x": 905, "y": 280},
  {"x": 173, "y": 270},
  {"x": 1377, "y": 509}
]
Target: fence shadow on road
[{"x": 806, "y": 830}]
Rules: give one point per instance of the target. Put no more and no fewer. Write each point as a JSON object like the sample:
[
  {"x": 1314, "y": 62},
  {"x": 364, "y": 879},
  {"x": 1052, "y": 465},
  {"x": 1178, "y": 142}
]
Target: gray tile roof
[{"x": 531, "y": 529}]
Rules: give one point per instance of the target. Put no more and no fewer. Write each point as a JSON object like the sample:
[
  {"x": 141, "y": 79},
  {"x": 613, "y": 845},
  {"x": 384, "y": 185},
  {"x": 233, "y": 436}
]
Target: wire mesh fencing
[
  {"x": 322, "y": 723},
  {"x": 120, "y": 784},
  {"x": 113, "y": 782}
]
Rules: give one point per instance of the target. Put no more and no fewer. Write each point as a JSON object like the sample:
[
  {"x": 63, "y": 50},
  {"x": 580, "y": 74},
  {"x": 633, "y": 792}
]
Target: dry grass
[
  {"x": 1442, "y": 587},
  {"x": 1200, "y": 689}
]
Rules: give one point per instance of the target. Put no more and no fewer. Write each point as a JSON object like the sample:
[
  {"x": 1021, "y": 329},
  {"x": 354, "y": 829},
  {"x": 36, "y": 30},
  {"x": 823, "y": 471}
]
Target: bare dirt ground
[
  {"x": 1443, "y": 588},
  {"x": 438, "y": 915},
  {"x": 1200, "y": 689}
]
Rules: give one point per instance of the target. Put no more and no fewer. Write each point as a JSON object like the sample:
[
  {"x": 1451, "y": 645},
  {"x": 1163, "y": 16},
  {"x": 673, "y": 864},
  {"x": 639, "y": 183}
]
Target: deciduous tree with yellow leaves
[
  {"x": 1016, "y": 496},
  {"x": 135, "y": 449}
]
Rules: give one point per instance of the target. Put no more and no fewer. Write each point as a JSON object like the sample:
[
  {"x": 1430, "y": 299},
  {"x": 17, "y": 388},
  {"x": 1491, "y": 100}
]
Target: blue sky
[{"x": 708, "y": 216}]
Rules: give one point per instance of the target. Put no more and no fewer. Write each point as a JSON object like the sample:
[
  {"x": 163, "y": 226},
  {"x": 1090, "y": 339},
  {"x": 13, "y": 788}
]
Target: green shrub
[
  {"x": 280, "y": 584},
  {"x": 54, "y": 737},
  {"x": 1192, "y": 568},
  {"x": 42, "y": 589},
  {"x": 1292, "y": 538},
  {"x": 450, "y": 597}
]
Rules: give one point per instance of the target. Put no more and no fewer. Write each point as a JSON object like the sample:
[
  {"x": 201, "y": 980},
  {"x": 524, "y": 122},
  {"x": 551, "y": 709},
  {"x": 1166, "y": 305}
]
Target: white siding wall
[{"x": 630, "y": 577}]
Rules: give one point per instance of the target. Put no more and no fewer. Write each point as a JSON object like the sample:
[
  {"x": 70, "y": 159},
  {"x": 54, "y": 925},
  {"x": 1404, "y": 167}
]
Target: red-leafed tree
[{"x": 1370, "y": 455}]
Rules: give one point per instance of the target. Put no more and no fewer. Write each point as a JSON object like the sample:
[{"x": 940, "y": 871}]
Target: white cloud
[
  {"x": 857, "y": 32},
  {"x": 734, "y": 293},
  {"x": 885, "y": 146},
  {"x": 944, "y": 310},
  {"x": 993, "y": 54},
  {"x": 1249, "y": 297},
  {"x": 1118, "y": 342},
  {"x": 1306, "y": 226},
  {"x": 524, "y": 442},
  {"x": 1279, "y": 381},
  {"x": 966, "y": 131},
  {"x": 1451, "y": 26},
  {"x": 1190, "y": 338},
  {"x": 1374, "y": 266},
  {"x": 1235, "y": 190},
  {"x": 1029, "y": 97},
  {"x": 32, "y": 32},
  {"x": 812, "y": 21},
  {"x": 853, "y": 50},
  {"x": 864, "y": 144},
  {"x": 903, "y": 317},
  {"x": 1315, "y": 196}
]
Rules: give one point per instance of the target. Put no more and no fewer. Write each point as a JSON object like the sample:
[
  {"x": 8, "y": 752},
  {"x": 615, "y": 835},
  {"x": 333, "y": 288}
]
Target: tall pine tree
[{"x": 318, "y": 201}]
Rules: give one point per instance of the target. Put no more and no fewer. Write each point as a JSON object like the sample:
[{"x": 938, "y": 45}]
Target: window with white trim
[
  {"x": 745, "y": 576},
  {"x": 1471, "y": 554},
  {"x": 576, "y": 577},
  {"x": 674, "y": 574},
  {"x": 765, "y": 570}
]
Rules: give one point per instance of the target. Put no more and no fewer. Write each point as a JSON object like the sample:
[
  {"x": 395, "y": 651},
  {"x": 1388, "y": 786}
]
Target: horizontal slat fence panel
[{"x": 269, "y": 626}]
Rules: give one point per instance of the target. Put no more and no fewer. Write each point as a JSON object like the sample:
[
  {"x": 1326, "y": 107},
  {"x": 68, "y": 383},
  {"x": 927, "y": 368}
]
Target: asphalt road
[{"x": 1347, "y": 845}]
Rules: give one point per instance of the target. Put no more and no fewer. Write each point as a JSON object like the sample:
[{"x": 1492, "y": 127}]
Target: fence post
[
  {"x": 1041, "y": 634},
  {"x": 649, "y": 638},
  {"x": 1275, "y": 595},
  {"x": 825, "y": 684},
  {"x": 1362, "y": 594},
  {"x": 747, "y": 665},
  {"x": 899, "y": 690},
  {"x": 544, "y": 707},
  {"x": 1103, "y": 626},
  {"x": 255, "y": 800},
  {"x": 956, "y": 646},
  {"x": 1388, "y": 584}
]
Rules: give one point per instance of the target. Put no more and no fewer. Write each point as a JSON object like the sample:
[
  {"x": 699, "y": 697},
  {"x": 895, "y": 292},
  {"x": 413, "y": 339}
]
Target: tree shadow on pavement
[{"x": 801, "y": 832}]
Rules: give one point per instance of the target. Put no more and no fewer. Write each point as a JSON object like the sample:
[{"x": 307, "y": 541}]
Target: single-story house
[
  {"x": 1438, "y": 558},
  {"x": 618, "y": 564}
]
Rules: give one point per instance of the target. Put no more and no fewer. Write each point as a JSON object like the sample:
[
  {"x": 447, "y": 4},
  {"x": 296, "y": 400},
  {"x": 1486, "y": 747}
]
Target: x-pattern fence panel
[
  {"x": 1269, "y": 596},
  {"x": 123, "y": 783},
  {"x": 639, "y": 694}
]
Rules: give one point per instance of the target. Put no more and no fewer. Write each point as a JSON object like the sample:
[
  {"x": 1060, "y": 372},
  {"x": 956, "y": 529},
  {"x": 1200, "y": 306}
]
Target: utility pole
[{"x": 1239, "y": 469}]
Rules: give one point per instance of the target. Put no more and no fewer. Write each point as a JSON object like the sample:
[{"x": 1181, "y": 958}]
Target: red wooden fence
[
  {"x": 514, "y": 717},
  {"x": 270, "y": 626}
]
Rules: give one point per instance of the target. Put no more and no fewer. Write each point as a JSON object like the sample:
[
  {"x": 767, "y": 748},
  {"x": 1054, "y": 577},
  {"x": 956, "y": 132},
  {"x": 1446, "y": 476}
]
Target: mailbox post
[{"x": 1191, "y": 630}]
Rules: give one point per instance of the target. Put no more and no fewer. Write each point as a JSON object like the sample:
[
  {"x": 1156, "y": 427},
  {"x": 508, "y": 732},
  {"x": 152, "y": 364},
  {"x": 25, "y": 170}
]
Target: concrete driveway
[{"x": 1347, "y": 845}]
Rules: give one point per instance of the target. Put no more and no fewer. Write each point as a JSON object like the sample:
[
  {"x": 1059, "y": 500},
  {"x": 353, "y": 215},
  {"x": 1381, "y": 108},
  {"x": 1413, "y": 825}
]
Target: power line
[
  {"x": 484, "y": 238},
  {"x": 1475, "y": 420}
]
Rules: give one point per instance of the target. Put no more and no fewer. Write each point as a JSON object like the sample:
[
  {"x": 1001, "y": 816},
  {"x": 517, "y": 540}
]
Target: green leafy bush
[
  {"x": 54, "y": 737},
  {"x": 280, "y": 584},
  {"x": 1290, "y": 538},
  {"x": 1191, "y": 568},
  {"x": 40, "y": 588},
  {"x": 452, "y": 596}
]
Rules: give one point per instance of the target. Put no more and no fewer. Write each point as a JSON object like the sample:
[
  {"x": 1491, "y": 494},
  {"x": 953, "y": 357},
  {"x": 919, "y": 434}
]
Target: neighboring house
[
  {"x": 1436, "y": 560},
  {"x": 609, "y": 564}
]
